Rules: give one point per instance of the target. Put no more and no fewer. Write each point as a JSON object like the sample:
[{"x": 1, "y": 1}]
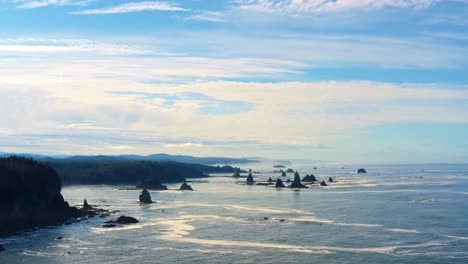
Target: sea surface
[{"x": 393, "y": 214}]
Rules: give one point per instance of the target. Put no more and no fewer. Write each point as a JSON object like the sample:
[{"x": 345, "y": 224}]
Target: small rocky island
[
  {"x": 297, "y": 181},
  {"x": 151, "y": 183},
  {"x": 279, "y": 183},
  {"x": 309, "y": 178},
  {"x": 145, "y": 197},
  {"x": 250, "y": 179},
  {"x": 361, "y": 170},
  {"x": 185, "y": 187}
]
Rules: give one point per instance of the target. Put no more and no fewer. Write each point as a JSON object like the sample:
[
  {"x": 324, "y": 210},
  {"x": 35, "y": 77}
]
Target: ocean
[{"x": 392, "y": 214}]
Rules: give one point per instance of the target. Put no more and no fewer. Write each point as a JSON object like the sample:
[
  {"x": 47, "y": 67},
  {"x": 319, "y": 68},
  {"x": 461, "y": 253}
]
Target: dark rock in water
[
  {"x": 185, "y": 187},
  {"x": 145, "y": 197},
  {"x": 270, "y": 180},
  {"x": 279, "y": 183},
  {"x": 59, "y": 238},
  {"x": 123, "y": 220},
  {"x": 265, "y": 218},
  {"x": 281, "y": 220},
  {"x": 323, "y": 183},
  {"x": 288, "y": 181},
  {"x": 86, "y": 206},
  {"x": 361, "y": 170},
  {"x": 236, "y": 173},
  {"x": 290, "y": 171},
  {"x": 151, "y": 183},
  {"x": 109, "y": 225},
  {"x": 315, "y": 168},
  {"x": 330, "y": 179},
  {"x": 2, "y": 248},
  {"x": 250, "y": 179},
  {"x": 309, "y": 178},
  {"x": 283, "y": 174},
  {"x": 297, "y": 181}
]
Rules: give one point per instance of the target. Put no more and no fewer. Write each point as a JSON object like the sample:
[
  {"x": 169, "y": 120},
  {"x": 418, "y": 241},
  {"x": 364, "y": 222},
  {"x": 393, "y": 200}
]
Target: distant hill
[{"x": 153, "y": 157}]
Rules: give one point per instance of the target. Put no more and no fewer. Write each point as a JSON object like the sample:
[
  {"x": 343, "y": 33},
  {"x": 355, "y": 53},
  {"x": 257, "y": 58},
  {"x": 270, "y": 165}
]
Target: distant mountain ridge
[{"x": 152, "y": 157}]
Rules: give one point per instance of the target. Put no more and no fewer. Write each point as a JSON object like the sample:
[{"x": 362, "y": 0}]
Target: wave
[
  {"x": 400, "y": 230},
  {"x": 266, "y": 210}
]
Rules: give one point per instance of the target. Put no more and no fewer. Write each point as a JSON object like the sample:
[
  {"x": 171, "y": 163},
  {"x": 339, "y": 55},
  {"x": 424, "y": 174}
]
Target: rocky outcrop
[
  {"x": 250, "y": 179},
  {"x": 86, "y": 206},
  {"x": 290, "y": 171},
  {"x": 330, "y": 179},
  {"x": 236, "y": 174},
  {"x": 270, "y": 180},
  {"x": 283, "y": 174},
  {"x": 145, "y": 197},
  {"x": 185, "y": 187},
  {"x": 122, "y": 220},
  {"x": 323, "y": 183},
  {"x": 309, "y": 178},
  {"x": 297, "y": 181},
  {"x": 279, "y": 183},
  {"x": 361, "y": 170}
]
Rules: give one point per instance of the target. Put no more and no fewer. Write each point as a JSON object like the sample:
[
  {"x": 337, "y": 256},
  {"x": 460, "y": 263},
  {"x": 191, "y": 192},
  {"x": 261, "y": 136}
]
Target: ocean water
[{"x": 392, "y": 214}]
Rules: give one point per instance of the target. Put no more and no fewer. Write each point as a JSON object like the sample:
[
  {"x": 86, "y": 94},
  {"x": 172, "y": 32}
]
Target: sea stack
[
  {"x": 236, "y": 173},
  {"x": 279, "y": 183},
  {"x": 361, "y": 170},
  {"x": 185, "y": 187},
  {"x": 297, "y": 181},
  {"x": 330, "y": 179},
  {"x": 145, "y": 197},
  {"x": 86, "y": 206},
  {"x": 250, "y": 179},
  {"x": 270, "y": 180},
  {"x": 323, "y": 183},
  {"x": 309, "y": 178},
  {"x": 283, "y": 174}
]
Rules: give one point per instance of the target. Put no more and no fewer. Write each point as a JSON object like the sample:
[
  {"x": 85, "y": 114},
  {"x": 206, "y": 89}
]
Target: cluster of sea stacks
[{"x": 296, "y": 183}]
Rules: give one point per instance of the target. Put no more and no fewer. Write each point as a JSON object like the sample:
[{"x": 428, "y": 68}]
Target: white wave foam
[
  {"x": 359, "y": 225},
  {"x": 400, "y": 230},
  {"x": 266, "y": 210}
]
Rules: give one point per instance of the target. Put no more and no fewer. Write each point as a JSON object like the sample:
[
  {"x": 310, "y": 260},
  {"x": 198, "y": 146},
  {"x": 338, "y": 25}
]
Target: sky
[{"x": 347, "y": 81}]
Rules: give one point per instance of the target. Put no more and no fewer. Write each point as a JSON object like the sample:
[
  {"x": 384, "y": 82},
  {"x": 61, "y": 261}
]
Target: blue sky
[{"x": 346, "y": 81}]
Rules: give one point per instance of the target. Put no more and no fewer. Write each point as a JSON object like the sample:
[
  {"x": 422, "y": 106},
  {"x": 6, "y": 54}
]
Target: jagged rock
[
  {"x": 288, "y": 181},
  {"x": 250, "y": 179},
  {"x": 309, "y": 178},
  {"x": 123, "y": 220},
  {"x": 283, "y": 174},
  {"x": 2, "y": 248},
  {"x": 279, "y": 183},
  {"x": 236, "y": 174},
  {"x": 289, "y": 171},
  {"x": 323, "y": 183},
  {"x": 145, "y": 197},
  {"x": 151, "y": 183},
  {"x": 297, "y": 181},
  {"x": 270, "y": 180},
  {"x": 86, "y": 206},
  {"x": 330, "y": 179},
  {"x": 361, "y": 170},
  {"x": 185, "y": 187},
  {"x": 59, "y": 238}
]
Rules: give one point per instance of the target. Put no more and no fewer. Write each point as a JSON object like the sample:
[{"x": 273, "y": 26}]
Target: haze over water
[{"x": 392, "y": 214}]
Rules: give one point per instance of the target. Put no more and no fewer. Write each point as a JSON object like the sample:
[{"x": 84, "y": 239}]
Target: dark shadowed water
[{"x": 393, "y": 214}]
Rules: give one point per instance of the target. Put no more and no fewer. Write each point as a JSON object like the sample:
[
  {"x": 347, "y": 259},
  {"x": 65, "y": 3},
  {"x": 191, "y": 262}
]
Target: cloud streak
[
  {"x": 133, "y": 7},
  {"x": 28, "y": 4}
]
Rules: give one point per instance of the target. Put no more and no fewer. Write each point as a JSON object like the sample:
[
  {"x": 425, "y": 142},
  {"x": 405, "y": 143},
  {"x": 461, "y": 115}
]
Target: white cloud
[
  {"x": 133, "y": 7},
  {"x": 210, "y": 16},
  {"x": 44, "y": 3},
  {"x": 306, "y": 6}
]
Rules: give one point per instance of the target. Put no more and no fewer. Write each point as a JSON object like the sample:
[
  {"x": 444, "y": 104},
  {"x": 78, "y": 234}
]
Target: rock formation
[
  {"x": 86, "y": 206},
  {"x": 185, "y": 187},
  {"x": 283, "y": 174},
  {"x": 122, "y": 220},
  {"x": 330, "y": 179},
  {"x": 323, "y": 183},
  {"x": 145, "y": 197},
  {"x": 270, "y": 180},
  {"x": 250, "y": 179},
  {"x": 297, "y": 181},
  {"x": 361, "y": 170},
  {"x": 309, "y": 178},
  {"x": 236, "y": 173},
  {"x": 289, "y": 171},
  {"x": 279, "y": 183}
]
